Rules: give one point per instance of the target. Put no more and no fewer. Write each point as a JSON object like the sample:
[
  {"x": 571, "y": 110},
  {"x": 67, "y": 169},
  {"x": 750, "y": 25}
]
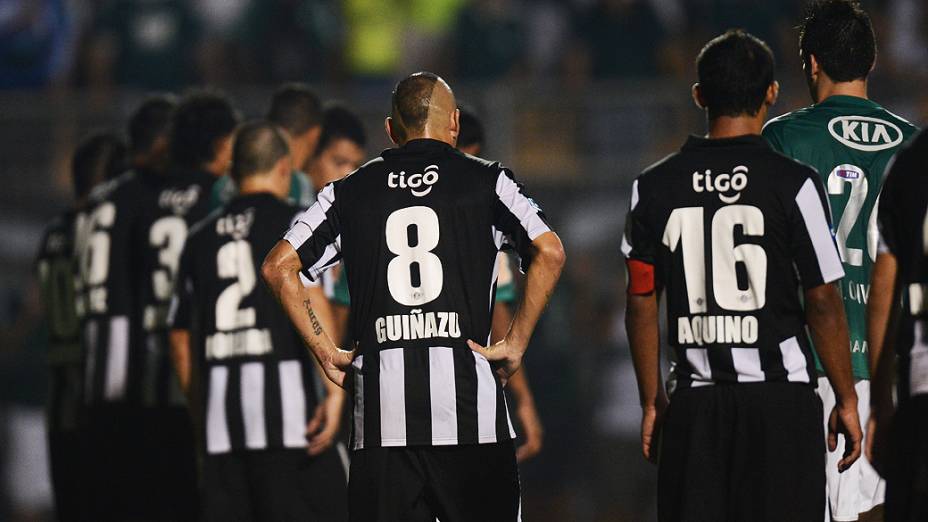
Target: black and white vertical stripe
[
  {"x": 107, "y": 367},
  {"x": 257, "y": 405},
  {"x": 522, "y": 208},
  {"x": 309, "y": 224},
  {"x": 436, "y": 396},
  {"x": 696, "y": 367},
  {"x": 816, "y": 222}
]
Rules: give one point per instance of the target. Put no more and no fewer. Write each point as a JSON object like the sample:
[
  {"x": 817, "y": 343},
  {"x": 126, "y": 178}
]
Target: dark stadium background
[{"x": 576, "y": 95}]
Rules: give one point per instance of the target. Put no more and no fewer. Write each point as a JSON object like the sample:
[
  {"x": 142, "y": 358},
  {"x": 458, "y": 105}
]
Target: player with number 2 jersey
[{"x": 849, "y": 139}]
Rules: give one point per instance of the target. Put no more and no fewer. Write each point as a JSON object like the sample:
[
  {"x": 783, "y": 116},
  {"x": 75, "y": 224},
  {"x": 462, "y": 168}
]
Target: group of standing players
[
  {"x": 180, "y": 389},
  {"x": 787, "y": 262},
  {"x": 790, "y": 253}
]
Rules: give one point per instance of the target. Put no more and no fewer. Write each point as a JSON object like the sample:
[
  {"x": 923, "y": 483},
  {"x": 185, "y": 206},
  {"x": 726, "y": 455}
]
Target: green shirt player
[
  {"x": 850, "y": 140},
  {"x": 296, "y": 109}
]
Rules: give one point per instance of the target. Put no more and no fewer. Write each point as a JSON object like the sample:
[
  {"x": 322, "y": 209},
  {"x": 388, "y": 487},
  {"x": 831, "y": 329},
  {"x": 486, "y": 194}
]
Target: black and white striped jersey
[
  {"x": 903, "y": 221},
  {"x": 732, "y": 230},
  {"x": 56, "y": 268},
  {"x": 419, "y": 231},
  {"x": 180, "y": 199},
  {"x": 259, "y": 382},
  {"x": 128, "y": 240}
]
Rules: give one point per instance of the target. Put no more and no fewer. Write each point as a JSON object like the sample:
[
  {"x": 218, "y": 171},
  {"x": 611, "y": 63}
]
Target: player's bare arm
[
  {"x": 281, "y": 272},
  {"x": 180, "y": 357},
  {"x": 828, "y": 324},
  {"x": 322, "y": 429},
  {"x": 880, "y": 315},
  {"x": 547, "y": 262},
  {"x": 641, "y": 321},
  {"x": 532, "y": 429}
]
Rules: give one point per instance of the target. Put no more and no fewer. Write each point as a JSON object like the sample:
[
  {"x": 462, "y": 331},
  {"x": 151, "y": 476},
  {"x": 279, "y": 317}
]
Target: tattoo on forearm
[{"x": 317, "y": 326}]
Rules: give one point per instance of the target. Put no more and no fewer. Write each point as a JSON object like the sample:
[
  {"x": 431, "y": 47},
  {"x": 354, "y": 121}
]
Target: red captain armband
[{"x": 640, "y": 277}]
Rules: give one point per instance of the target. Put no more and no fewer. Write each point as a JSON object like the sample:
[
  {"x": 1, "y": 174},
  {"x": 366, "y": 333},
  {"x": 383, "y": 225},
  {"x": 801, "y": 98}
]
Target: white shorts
[
  {"x": 27, "y": 480},
  {"x": 860, "y": 488}
]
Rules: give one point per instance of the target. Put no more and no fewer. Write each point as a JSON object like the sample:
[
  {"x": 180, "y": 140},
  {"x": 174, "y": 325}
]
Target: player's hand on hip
[
  {"x": 845, "y": 420},
  {"x": 504, "y": 356},
  {"x": 532, "y": 431},
  {"x": 652, "y": 418},
  {"x": 337, "y": 364}
]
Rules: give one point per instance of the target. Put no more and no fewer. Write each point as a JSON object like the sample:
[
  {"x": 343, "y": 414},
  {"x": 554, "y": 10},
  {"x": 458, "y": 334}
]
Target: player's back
[
  {"x": 419, "y": 231},
  {"x": 56, "y": 267},
  {"x": 175, "y": 201},
  {"x": 247, "y": 351},
  {"x": 850, "y": 141},
  {"x": 724, "y": 222},
  {"x": 417, "y": 237},
  {"x": 106, "y": 280},
  {"x": 904, "y": 226}
]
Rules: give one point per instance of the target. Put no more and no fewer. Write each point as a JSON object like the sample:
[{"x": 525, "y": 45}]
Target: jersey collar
[
  {"x": 748, "y": 140},
  {"x": 842, "y": 100},
  {"x": 418, "y": 146}
]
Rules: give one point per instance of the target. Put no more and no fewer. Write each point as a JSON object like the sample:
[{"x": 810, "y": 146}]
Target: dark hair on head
[
  {"x": 149, "y": 122},
  {"x": 259, "y": 145},
  {"x": 295, "y": 108},
  {"x": 200, "y": 120},
  {"x": 471, "y": 132},
  {"x": 735, "y": 70},
  {"x": 338, "y": 122},
  {"x": 410, "y": 103},
  {"x": 840, "y": 35},
  {"x": 100, "y": 157}
]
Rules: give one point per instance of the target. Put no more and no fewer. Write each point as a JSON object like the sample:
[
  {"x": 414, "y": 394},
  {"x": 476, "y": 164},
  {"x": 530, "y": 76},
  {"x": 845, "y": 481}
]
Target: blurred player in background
[
  {"x": 742, "y": 437},
  {"x": 265, "y": 459},
  {"x": 898, "y": 443},
  {"x": 98, "y": 158},
  {"x": 849, "y": 139},
  {"x": 200, "y": 143},
  {"x": 141, "y": 438},
  {"x": 296, "y": 109},
  {"x": 471, "y": 141},
  {"x": 341, "y": 151}
]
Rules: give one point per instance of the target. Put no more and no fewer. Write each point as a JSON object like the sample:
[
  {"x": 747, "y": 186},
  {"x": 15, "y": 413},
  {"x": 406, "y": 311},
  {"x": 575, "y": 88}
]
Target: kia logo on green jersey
[{"x": 865, "y": 133}]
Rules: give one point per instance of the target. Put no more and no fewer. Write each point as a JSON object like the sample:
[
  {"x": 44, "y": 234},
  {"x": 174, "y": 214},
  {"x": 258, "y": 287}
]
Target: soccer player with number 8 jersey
[
  {"x": 419, "y": 231},
  {"x": 849, "y": 139}
]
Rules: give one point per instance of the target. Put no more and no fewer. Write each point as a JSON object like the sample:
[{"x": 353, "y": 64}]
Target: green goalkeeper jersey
[{"x": 850, "y": 141}]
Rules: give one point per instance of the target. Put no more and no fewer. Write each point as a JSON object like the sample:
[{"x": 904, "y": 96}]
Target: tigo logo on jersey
[
  {"x": 723, "y": 183},
  {"x": 179, "y": 201},
  {"x": 420, "y": 184},
  {"x": 864, "y": 133}
]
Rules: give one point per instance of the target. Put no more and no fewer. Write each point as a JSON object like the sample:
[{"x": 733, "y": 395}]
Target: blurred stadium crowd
[
  {"x": 167, "y": 44},
  {"x": 577, "y": 95}
]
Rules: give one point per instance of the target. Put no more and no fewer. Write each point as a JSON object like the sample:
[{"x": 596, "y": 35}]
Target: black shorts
[
  {"x": 742, "y": 452},
  {"x": 68, "y": 473},
  {"x": 472, "y": 483},
  {"x": 907, "y": 467},
  {"x": 141, "y": 464},
  {"x": 275, "y": 485}
]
